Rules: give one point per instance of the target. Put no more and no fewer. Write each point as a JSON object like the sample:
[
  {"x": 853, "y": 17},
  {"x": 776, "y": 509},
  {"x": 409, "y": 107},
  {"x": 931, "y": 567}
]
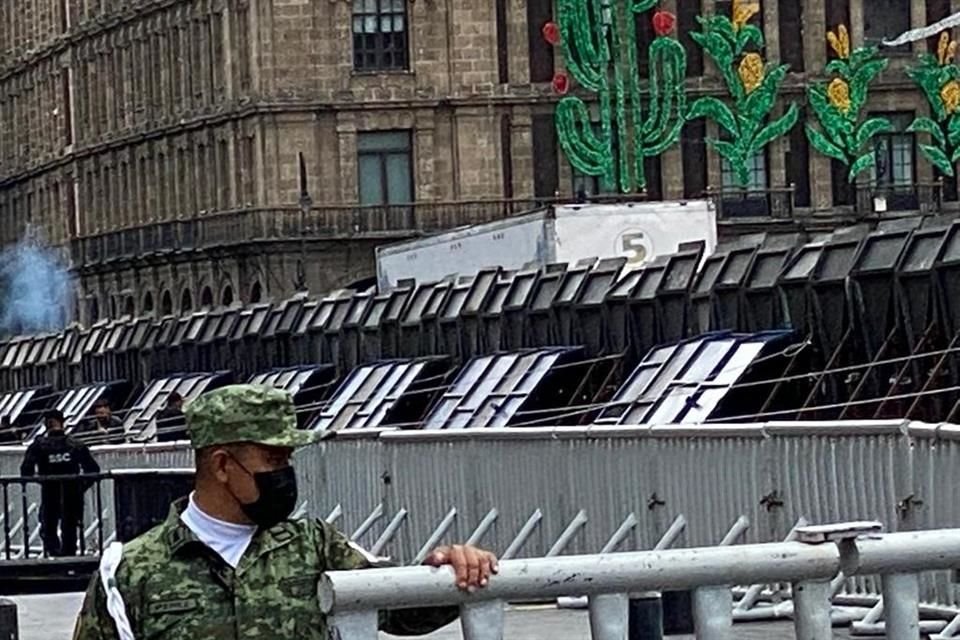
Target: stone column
[
  {"x": 423, "y": 149},
  {"x": 347, "y": 147}
]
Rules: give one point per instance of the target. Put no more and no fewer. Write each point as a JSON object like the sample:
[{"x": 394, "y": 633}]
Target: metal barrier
[
  {"x": 47, "y": 515},
  {"x": 352, "y": 599}
]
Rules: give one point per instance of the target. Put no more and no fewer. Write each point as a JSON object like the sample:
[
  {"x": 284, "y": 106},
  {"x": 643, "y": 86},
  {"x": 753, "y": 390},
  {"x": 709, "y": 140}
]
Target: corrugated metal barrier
[{"x": 397, "y": 491}]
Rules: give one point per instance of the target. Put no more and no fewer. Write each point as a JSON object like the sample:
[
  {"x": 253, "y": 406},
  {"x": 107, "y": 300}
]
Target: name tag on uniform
[{"x": 170, "y": 606}]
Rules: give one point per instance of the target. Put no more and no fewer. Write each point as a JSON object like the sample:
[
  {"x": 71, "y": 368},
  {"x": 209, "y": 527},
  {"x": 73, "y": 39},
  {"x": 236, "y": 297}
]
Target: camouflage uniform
[{"x": 175, "y": 588}]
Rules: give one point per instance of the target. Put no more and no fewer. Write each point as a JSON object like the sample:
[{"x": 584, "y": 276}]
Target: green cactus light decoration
[
  {"x": 839, "y": 105},
  {"x": 753, "y": 88},
  {"x": 599, "y": 43},
  {"x": 939, "y": 78}
]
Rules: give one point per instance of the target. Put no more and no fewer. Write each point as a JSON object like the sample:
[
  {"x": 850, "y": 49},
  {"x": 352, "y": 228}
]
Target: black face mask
[{"x": 278, "y": 496}]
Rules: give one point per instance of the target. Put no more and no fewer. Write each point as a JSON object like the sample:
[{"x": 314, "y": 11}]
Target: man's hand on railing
[{"x": 472, "y": 566}]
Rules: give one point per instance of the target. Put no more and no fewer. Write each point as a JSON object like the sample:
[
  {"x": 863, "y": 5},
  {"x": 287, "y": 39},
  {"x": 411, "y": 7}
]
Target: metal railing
[
  {"x": 287, "y": 223},
  {"x": 54, "y": 516},
  {"x": 812, "y": 565},
  {"x": 925, "y": 197},
  {"x": 732, "y": 203}
]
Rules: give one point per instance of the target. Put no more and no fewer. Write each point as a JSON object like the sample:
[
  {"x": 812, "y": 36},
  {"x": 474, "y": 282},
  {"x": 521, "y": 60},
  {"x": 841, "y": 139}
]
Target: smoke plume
[{"x": 35, "y": 291}]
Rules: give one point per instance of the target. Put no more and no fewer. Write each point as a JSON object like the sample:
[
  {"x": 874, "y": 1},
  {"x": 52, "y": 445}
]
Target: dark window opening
[
  {"x": 687, "y": 24},
  {"x": 186, "y": 301},
  {"x": 380, "y": 35},
  {"x": 546, "y": 179},
  {"x": 643, "y": 23},
  {"x": 885, "y": 20},
  {"x": 206, "y": 298},
  {"x": 129, "y": 308},
  {"x": 539, "y": 13},
  {"x": 226, "y": 299},
  {"x": 385, "y": 167},
  {"x": 506, "y": 155},
  {"x": 837, "y": 13},
  {"x": 937, "y": 10},
  {"x": 94, "y": 310},
  {"x": 844, "y": 193},
  {"x": 166, "y": 304},
  {"x": 694, "y": 151},
  {"x": 798, "y": 164},
  {"x": 256, "y": 293},
  {"x": 791, "y": 35},
  {"x": 148, "y": 303},
  {"x": 67, "y": 100},
  {"x": 895, "y": 172},
  {"x": 503, "y": 43}
]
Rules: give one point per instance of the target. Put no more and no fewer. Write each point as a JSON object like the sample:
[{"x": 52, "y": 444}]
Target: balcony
[
  {"x": 744, "y": 204},
  {"x": 289, "y": 223}
]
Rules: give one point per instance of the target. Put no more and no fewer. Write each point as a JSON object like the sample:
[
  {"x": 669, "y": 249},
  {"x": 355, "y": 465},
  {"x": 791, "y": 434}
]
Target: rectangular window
[
  {"x": 937, "y": 10},
  {"x": 751, "y": 201},
  {"x": 643, "y": 25},
  {"x": 894, "y": 175},
  {"x": 798, "y": 164},
  {"x": 66, "y": 77},
  {"x": 585, "y": 185},
  {"x": 539, "y": 12},
  {"x": 844, "y": 193},
  {"x": 506, "y": 154},
  {"x": 694, "y": 150},
  {"x": 687, "y": 24},
  {"x": 503, "y": 43},
  {"x": 757, "y": 167},
  {"x": 791, "y": 34},
  {"x": 885, "y": 20},
  {"x": 385, "y": 167},
  {"x": 546, "y": 179},
  {"x": 380, "y": 35}
]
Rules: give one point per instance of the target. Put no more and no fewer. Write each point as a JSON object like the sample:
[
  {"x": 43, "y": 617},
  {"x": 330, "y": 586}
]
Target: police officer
[
  {"x": 61, "y": 501},
  {"x": 228, "y": 563}
]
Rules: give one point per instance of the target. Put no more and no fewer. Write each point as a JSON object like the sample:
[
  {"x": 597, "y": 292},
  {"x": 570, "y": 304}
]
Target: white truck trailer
[{"x": 568, "y": 233}]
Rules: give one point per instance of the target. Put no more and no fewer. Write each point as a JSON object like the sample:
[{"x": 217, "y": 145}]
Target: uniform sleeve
[
  {"x": 84, "y": 457},
  {"x": 94, "y": 623},
  {"x": 339, "y": 554},
  {"x": 29, "y": 465}
]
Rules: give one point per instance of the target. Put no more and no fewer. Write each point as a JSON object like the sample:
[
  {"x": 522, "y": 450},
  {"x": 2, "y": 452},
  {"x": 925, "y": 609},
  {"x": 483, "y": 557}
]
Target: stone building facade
[{"x": 122, "y": 116}]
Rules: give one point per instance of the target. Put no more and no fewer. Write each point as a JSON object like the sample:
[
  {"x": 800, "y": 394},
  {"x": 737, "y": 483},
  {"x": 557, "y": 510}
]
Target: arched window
[
  {"x": 227, "y": 298},
  {"x": 94, "y": 310},
  {"x": 186, "y": 301},
  {"x": 256, "y": 293},
  {"x": 113, "y": 306},
  {"x": 148, "y": 303},
  {"x": 166, "y": 303},
  {"x": 206, "y": 298},
  {"x": 129, "y": 307}
]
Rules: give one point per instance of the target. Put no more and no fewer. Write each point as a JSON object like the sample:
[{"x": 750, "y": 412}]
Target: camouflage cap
[{"x": 245, "y": 413}]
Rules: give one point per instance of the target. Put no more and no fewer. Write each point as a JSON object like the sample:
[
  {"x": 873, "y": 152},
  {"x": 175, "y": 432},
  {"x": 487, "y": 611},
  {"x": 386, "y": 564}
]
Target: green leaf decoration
[
  {"x": 724, "y": 26},
  {"x": 643, "y": 5},
  {"x": 825, "y": 146},
  {"x": 837, "y": 66},
  {"x": 868, "y": 129},
  {"x": 728, "y": 150},
  {"x": 955, "y": 158},
  {"x": 776, "y": 128},
  {"x": 862, "y": 164},
  {"x": 924, "y": 124},
  {"x": 938, "y": 158},
  {"x": 953, "y": 129},
  {"x": 749, "y": 34},
  {"x": 762, "y": 99},
  {"x": 861, "y": 79},
  {"x": 717, "y": 111}
]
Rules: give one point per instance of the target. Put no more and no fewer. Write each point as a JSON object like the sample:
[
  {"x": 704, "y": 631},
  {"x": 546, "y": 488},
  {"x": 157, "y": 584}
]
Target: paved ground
[{"x": 51, "y": 618}]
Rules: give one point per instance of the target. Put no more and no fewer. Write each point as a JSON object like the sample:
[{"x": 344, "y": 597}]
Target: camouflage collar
[
  {"x": 177, "y": 535},
  {"x": 179, "y": 538}
]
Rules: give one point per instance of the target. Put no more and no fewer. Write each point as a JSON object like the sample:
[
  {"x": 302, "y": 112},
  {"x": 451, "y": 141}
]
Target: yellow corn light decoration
[
  {"x": 751, "y": 71},
  {"x": 950, "y": 94},
  {"x": 839, "y": 94},
  {"x": 840, "y": 42},
  {"x": 743, "y": 10}
]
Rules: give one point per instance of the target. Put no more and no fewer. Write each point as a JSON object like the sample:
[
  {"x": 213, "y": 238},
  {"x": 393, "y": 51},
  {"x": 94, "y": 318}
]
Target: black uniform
[{"x": 61, "y": 501}]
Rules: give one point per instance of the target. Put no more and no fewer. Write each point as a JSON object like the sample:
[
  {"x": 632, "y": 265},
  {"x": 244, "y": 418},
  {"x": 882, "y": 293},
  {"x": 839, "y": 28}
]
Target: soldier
[
  {"x": 61, "y": 501},
  {"x": 228, "y": 563}
]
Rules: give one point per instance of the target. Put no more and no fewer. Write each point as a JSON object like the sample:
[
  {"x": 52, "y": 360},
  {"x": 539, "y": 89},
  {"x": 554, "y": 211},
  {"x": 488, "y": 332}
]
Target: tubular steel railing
[
  {"x": 40, "y": 511},
  {"x": 812, "y": 565}
]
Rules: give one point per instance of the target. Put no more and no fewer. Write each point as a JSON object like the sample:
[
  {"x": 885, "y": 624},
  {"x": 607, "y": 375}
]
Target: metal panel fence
[{"x": 399, "y": 491}]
